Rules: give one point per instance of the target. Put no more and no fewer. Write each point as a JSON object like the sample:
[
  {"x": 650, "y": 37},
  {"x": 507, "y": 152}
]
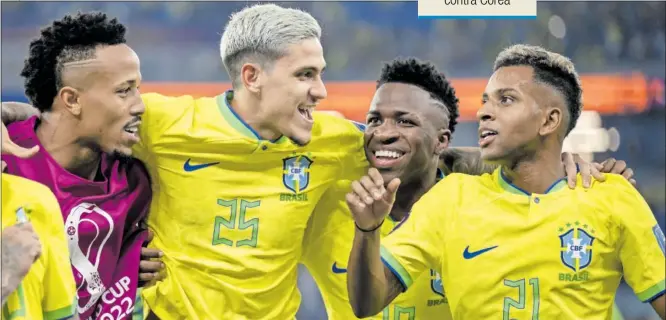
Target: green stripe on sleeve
[
  {"x": 651, "y": 292},
  {"x": 396, "y": 267}
]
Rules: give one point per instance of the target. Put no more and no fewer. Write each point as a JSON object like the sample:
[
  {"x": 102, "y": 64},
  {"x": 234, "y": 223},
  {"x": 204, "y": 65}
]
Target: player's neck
[
  {"x": 247, "y": 108},
  {"x": 410, "y": 192},
  {"x": 64, "y": 146},
  {"x": 536, "y": 173}
]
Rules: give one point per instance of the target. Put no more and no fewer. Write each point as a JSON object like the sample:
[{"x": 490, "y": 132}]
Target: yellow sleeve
[
  {"x": 328, "y": 220},
  {"x": 415, "y": 245},
  {"x": 331, "y": 212},
  {"x": 160, "y": 112},
  {"x": 641, "y": 242},
  {"x": 355, "y": 164},
  {"x": 59, "y": 286}
]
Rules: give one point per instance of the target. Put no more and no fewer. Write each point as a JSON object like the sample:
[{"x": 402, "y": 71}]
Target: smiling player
[
  {"x": 513, "y": 244},
  {"x": 237, "y": 176},
  {"x": 83, "y": 78},
  {"x": 409, "y": 125}
]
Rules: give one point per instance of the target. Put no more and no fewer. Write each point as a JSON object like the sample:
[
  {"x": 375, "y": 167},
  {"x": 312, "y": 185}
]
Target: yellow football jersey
[
  {"x": 326, "y": 248},
  {"x": 48, "y": 291},
  {"x": 229, "y": 209},
  {"x": 504, "y": 254}
]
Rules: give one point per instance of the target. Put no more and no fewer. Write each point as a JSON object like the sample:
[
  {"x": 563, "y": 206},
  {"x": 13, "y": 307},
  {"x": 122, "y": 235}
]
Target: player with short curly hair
[
  {"x": 408, "y": 129},
  {"x": 72, "y": 39},
  {"x": 515, "y": 243},
  {"x": 239, "y": 174},
  {"x": 84, "y": 79},
  {"x": 427, "y": 77}
]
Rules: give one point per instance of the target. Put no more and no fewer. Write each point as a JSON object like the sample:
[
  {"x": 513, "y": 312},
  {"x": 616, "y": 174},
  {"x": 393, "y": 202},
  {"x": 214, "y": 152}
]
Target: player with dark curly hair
[
  {"x": 409, "y": 126},
  {"x": 81, "y": 74},
  {"x": 407, "y": 133},
  {"x": 530, "y": 104},
  {"x": 84, "y": 79},
  {"x": 261, "y": 136}
]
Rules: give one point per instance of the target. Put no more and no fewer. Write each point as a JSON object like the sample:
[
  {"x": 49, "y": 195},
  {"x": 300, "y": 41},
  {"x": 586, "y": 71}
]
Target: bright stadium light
[{"x": 589, "y": 137}]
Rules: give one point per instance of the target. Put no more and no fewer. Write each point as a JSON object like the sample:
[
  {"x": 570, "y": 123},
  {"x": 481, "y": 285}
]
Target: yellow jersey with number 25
[
  {"x": 505, "y": 254},
  {"x": 229, "y": 209},
  {"x": 48, "y": 291}
]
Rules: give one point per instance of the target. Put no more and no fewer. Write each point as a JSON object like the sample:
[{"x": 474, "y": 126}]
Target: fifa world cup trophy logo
[{"x": 88, "y": 229}]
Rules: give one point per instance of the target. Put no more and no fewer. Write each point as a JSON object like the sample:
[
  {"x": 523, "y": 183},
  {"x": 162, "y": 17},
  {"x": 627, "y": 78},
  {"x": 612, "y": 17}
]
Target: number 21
[{"x": 520, "y": 304}]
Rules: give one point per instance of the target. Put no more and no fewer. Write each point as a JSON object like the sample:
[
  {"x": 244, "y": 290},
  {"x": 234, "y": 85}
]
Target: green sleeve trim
[
  {"x": 396, "y": 267},
  {"x": 650, "y": 293}
]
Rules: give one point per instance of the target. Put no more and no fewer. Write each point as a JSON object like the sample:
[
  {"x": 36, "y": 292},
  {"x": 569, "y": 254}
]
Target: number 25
[
  {"x": 236, "y": 214},
  {"x": 520, "y": 304}
]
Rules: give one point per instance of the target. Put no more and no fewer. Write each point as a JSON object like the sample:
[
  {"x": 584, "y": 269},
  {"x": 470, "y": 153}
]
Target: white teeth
[
  {"x": 486, "y": 133},
  {"x": 132, "y": 130},
  {"x": 306, "y": 112},
  {"x": 388, "y": 154}
]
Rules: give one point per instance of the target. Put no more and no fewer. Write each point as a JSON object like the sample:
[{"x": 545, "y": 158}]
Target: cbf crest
[
  {"x": 436, "y": 283},
  {"x": 576, "y": 246},
  {"x": 296, "y": 173}
]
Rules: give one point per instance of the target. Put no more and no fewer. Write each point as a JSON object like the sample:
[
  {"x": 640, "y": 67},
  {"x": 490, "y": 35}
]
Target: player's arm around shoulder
[
  {"x": 641, "y": 242},
  {"x": 464, "y": 160},
  {"x": 348, "y": 139},
  {"x": 16, "y": 111},
  {"x": 328, "y": 221},
  {"x": 160, "y": 113}
]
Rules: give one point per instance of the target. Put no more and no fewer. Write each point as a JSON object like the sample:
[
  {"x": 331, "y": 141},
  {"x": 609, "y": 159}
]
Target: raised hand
[
  {"x": 369, "y": 201},
  {"x": 9, "y": 147}
]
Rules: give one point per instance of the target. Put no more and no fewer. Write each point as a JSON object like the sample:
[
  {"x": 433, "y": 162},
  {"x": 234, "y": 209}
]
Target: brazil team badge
[
  {"x": 576, "y": 247},
  {"x": 296, "y": 173},
  {"x": 436, "y": 283}
]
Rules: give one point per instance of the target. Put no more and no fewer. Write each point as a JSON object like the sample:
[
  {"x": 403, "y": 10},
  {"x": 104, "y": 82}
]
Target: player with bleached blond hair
[
  {"x": 239, "y": 175},
  {"x": 236, "y": 177},
  {"x": 515, "y": 243}
]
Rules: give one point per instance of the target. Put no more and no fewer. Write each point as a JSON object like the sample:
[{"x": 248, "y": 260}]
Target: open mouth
[
  {"x": 306, "y": 112},
  {"x": 486, "y": 137},
  {"x": 387, "y": 158},
  {"x": 132, "y": 130}
]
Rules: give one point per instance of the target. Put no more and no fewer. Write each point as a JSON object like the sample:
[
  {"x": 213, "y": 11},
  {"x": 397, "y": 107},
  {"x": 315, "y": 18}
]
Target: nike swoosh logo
[
  {"x": 469, "y": 255},
  {"x": 338, "y": 270},
  {"x": 194, "y": 167}
]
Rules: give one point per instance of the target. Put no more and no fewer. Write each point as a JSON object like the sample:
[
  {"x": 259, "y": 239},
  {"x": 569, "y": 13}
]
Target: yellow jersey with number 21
[
  {"x": 229, "y": 209},
  {"x": 48, "y": 290},
  {"x": 505, "y": 254}
]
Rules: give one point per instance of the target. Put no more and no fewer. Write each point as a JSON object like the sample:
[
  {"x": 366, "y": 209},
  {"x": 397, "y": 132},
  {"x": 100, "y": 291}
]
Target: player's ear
[
  {"x": 443, "y": 138},
  {"x": 552, "y": 120},
  {"x": 250, "y": 76},
  {"x": 71, "y": 99}
]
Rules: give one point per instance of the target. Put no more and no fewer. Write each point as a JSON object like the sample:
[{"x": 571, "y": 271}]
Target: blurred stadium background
[{"x": 620, "y": 49}]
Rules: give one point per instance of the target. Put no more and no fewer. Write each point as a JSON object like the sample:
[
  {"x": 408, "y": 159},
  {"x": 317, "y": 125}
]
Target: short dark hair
[
  {"x": 73, "y": 38},
  {"x": 550, "y": 68},
  {"x": 424, "y": 75}
]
